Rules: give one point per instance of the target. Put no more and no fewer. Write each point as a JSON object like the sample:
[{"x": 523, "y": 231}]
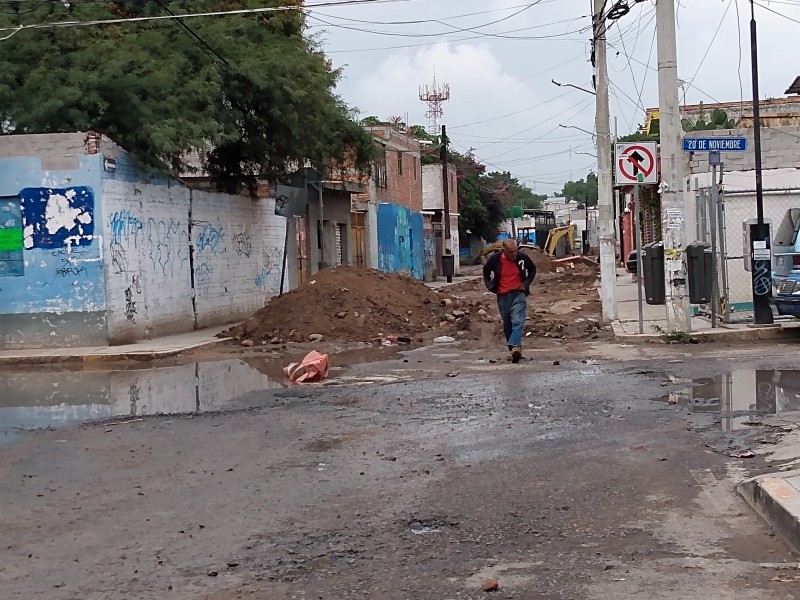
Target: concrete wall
[
  {"x": 432, "y": 191},
  {"x": 99, "y": 253},
  {"x": 238, "y": 249},
  {"x": 52, "y": 289},
  {"x": 780, "y": 148},
  {"x": 401, "y": 243}
]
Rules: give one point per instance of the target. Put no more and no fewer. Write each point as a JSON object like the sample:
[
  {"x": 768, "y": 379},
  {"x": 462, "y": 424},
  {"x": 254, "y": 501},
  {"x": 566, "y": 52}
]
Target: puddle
[
  {"x": 35, "y": 399},
  {"x": 740, "y": 396}
]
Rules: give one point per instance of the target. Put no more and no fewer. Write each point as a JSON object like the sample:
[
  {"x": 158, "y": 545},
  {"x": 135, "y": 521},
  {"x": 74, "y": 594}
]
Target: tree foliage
[
  {"x": 583, "y": 190},
  {"x": 513, "y": 192},
  {"x": 481, "y": 205},
  {"x": 254, "y": 92}
]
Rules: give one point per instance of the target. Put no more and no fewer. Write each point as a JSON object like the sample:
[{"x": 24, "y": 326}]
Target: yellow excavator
[{"x": 560, "y": 242}]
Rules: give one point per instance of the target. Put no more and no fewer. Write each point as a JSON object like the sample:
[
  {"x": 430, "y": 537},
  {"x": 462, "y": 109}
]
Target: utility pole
[
  {"x": 605, "y": 208},
  {"x": 672, "y": 207},
  {"x": 760, "y": 251},
  {"x": 446, "y": 189}
]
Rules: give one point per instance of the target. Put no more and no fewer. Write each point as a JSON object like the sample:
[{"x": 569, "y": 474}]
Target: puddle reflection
[
  {"x": 35, "y": 399},
  {"x": 745, "y": 391}
]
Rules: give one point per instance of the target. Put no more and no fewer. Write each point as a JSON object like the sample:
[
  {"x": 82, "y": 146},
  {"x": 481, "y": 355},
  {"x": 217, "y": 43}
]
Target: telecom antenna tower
[{"x": 434, "y": 96}]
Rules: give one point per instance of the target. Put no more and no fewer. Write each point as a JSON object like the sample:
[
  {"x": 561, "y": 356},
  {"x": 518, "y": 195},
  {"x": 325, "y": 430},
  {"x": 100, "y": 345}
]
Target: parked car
[{"x": 787, "y": 295}]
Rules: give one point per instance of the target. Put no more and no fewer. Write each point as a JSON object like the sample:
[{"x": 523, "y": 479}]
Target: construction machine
[{"x": 560, "y": 241}]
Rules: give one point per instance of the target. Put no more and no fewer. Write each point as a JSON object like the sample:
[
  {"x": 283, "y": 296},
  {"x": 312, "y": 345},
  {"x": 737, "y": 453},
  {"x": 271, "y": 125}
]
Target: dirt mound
[
  {"x": 348, "y": 303},
  {"x": 544, "y": 264}
]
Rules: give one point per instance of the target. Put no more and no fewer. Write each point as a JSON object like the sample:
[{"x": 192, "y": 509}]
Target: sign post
[
  {"x": 636, "y": 165},
  {"x": 760, "y": 251}
]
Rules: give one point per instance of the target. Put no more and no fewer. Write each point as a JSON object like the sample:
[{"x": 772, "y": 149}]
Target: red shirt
[{"x": 510, "y": 278}]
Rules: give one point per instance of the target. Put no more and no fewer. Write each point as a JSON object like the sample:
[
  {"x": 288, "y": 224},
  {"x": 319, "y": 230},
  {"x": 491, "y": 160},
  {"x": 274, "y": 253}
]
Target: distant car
[
  {"x": 786, "y": 298},
  {"x": 631, "y": 263}
]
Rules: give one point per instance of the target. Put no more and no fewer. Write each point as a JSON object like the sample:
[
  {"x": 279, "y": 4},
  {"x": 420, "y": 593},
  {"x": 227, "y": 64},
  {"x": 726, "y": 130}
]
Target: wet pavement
[{"x": 396, "y": 481}]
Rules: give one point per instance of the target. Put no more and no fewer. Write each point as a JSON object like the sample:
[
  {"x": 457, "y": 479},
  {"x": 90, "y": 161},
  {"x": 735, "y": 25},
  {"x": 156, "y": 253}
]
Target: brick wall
[
  {"x": 148, "y": 276},
  {"x": 238, "y": 249},
  {"x": 403, "y": 170},
  {"x": 780, "y": 148},
  {"x": 237, "y": 246}
]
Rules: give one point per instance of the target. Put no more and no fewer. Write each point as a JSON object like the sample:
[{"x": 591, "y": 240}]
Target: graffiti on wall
[
  {"x": 54, "y": 217},
  {"x": 269, "y": 276},
  {"x": 168, "y": 245},
  {"x": 202, "y": 278},
  {"x": 211, "y": 239},
  {"x": 243, "y": 244},
  {"x": 11, "y": 261}
]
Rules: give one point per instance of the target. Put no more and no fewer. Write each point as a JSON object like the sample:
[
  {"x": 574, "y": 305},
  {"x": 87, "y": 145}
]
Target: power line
[
  {"x": 241, "y": 11},
  {"x": 517, "y": 112},
  {"x": 710, "y": 45},
  {"x": 777, "y": 13}
]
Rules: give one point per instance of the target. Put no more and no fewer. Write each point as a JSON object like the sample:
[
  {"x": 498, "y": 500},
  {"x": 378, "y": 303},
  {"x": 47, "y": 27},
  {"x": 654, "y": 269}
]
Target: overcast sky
[{"x": 503, "y": 104}]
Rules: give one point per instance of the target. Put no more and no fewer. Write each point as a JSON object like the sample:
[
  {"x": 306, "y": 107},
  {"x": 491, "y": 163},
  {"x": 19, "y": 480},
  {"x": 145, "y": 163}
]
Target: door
[
  {"x": 301, "y": 240},
  {"x": 358, "y": 237}
]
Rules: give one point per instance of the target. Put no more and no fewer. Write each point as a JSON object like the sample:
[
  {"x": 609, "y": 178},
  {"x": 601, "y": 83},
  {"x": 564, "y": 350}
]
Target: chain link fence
[{"x": 722, "y": 222}]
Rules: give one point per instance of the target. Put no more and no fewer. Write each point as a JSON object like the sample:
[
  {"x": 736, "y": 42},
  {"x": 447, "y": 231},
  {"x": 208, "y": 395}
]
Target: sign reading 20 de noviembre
[{"x": 715, "y": 144}]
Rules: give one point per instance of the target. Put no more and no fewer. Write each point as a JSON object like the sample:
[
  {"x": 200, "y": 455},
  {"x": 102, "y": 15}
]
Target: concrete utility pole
[
  {"x": 605, "y": 200},
  {"x": 672, "y": 207}
]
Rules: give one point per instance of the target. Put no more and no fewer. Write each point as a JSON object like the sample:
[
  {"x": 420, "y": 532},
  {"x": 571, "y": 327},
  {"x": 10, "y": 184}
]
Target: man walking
[{"x": 509, "y": 274}]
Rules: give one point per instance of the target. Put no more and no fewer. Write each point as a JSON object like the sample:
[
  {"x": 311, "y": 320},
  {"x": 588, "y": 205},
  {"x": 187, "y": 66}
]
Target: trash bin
[
  {"x": 653, "y": 267},
  {"x": 448, "y": 266},
  {"x": 700, "y": 271}
]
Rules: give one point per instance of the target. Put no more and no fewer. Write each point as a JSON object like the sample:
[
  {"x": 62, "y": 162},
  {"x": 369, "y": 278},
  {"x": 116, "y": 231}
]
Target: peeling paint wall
[
  {"x": 401, "y": 245},
  {"x": 52, "y": 289},
  {"x": 99, "y": 253}
]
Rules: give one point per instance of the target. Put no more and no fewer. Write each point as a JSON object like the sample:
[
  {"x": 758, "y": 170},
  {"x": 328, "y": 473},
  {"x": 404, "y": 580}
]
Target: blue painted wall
[
  {"x": 401, "y": 243},
  {"x": 61, "y": 269}
]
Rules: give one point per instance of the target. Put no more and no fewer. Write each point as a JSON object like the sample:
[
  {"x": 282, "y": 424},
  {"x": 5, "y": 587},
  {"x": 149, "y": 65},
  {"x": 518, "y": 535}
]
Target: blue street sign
[{"x": 715, "y": 144}]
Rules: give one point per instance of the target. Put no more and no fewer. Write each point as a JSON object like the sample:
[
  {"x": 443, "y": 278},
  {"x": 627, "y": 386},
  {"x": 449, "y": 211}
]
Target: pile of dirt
[
  {"x": 348, "y": 303},
  {"x": 544, "y": 264}
]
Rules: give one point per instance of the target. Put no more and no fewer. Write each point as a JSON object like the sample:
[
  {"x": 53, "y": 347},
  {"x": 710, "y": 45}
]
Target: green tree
[
  {"x": 254, "y": 93},
  {"x": 514, "y": 192},
  {"x": 583, "y": 190},
  {"x": 481, "y": 205}
]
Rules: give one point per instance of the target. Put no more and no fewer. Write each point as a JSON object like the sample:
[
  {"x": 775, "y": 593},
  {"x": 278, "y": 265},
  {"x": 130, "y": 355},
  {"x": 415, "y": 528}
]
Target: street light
[
  {"x": 578, "y": 128},
  {"x": 577, "y": 87}
]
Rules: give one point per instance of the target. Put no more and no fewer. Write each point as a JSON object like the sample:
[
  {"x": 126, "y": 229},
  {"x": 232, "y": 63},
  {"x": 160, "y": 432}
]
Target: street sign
[
  {"x": 715, "y": 144},
  {"x": 636, "y": 163}
]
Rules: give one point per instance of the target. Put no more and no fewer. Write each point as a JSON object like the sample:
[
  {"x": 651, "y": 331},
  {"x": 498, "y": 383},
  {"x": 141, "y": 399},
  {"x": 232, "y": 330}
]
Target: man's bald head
[{"x": 510, "y": 248}]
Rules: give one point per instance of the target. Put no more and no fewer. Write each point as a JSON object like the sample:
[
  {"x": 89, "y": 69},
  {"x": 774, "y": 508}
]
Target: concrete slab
[
  {"x": 163, "y": 347},
  {"x": 626, "y": 327},
  {"x": 776, "y": 498}
]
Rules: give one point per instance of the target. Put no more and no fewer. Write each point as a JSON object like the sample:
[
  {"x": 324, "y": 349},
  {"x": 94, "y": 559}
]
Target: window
[
  {"x": 399, "y": 163},
  {"x": 11, "y": 241},
  {"x": 380, "y": 173},
  {"x": 415, "y": 169}
]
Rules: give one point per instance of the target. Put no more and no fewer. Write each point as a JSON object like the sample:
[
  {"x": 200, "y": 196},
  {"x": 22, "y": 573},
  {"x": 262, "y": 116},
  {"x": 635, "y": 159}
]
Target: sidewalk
[
  {"x": 162, "y": 347},
  {"x": 626, "y": 327},
  {"x": 776, "y": 496}
]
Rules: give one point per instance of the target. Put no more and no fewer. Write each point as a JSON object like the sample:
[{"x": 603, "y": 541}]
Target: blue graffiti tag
[
  {"x": 263, "y": 277},
  {"x": 168, "y": 244},
  {"x": 124, "y": 226},
  {"x": 210, "y": 239}
]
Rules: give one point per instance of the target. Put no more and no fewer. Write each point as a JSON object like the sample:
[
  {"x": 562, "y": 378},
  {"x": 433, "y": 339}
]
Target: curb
[
  {"x": 778, "y": 502},
  {"x": 719, "y": 334},
  {"x": 104, "y": 356}
]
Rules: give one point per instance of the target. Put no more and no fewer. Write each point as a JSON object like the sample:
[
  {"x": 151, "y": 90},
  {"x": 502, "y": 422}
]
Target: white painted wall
[
  {"x": 238, "y": 244},
  {"x": 146, "y": 243}
]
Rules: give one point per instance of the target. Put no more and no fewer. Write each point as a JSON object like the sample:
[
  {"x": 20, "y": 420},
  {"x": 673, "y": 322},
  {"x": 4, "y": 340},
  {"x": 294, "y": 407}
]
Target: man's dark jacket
[{"x": 491, "y": 271}]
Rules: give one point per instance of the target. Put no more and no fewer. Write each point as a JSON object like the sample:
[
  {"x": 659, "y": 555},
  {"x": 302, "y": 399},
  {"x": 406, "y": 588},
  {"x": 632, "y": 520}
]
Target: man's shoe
[{"x": 516, "y": 354}]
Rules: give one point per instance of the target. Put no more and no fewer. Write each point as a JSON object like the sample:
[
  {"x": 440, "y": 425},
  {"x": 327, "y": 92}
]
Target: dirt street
[{"x": 415, "y": 477}]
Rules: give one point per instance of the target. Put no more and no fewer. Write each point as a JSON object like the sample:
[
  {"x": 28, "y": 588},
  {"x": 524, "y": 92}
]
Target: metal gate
[{"x": 358, "y": 237}]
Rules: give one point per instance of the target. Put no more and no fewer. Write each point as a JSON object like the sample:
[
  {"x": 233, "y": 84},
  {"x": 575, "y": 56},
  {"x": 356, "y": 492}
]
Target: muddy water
[
  {"x": 33, "y": 398},
  {"x": 740, "y": 396}
]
